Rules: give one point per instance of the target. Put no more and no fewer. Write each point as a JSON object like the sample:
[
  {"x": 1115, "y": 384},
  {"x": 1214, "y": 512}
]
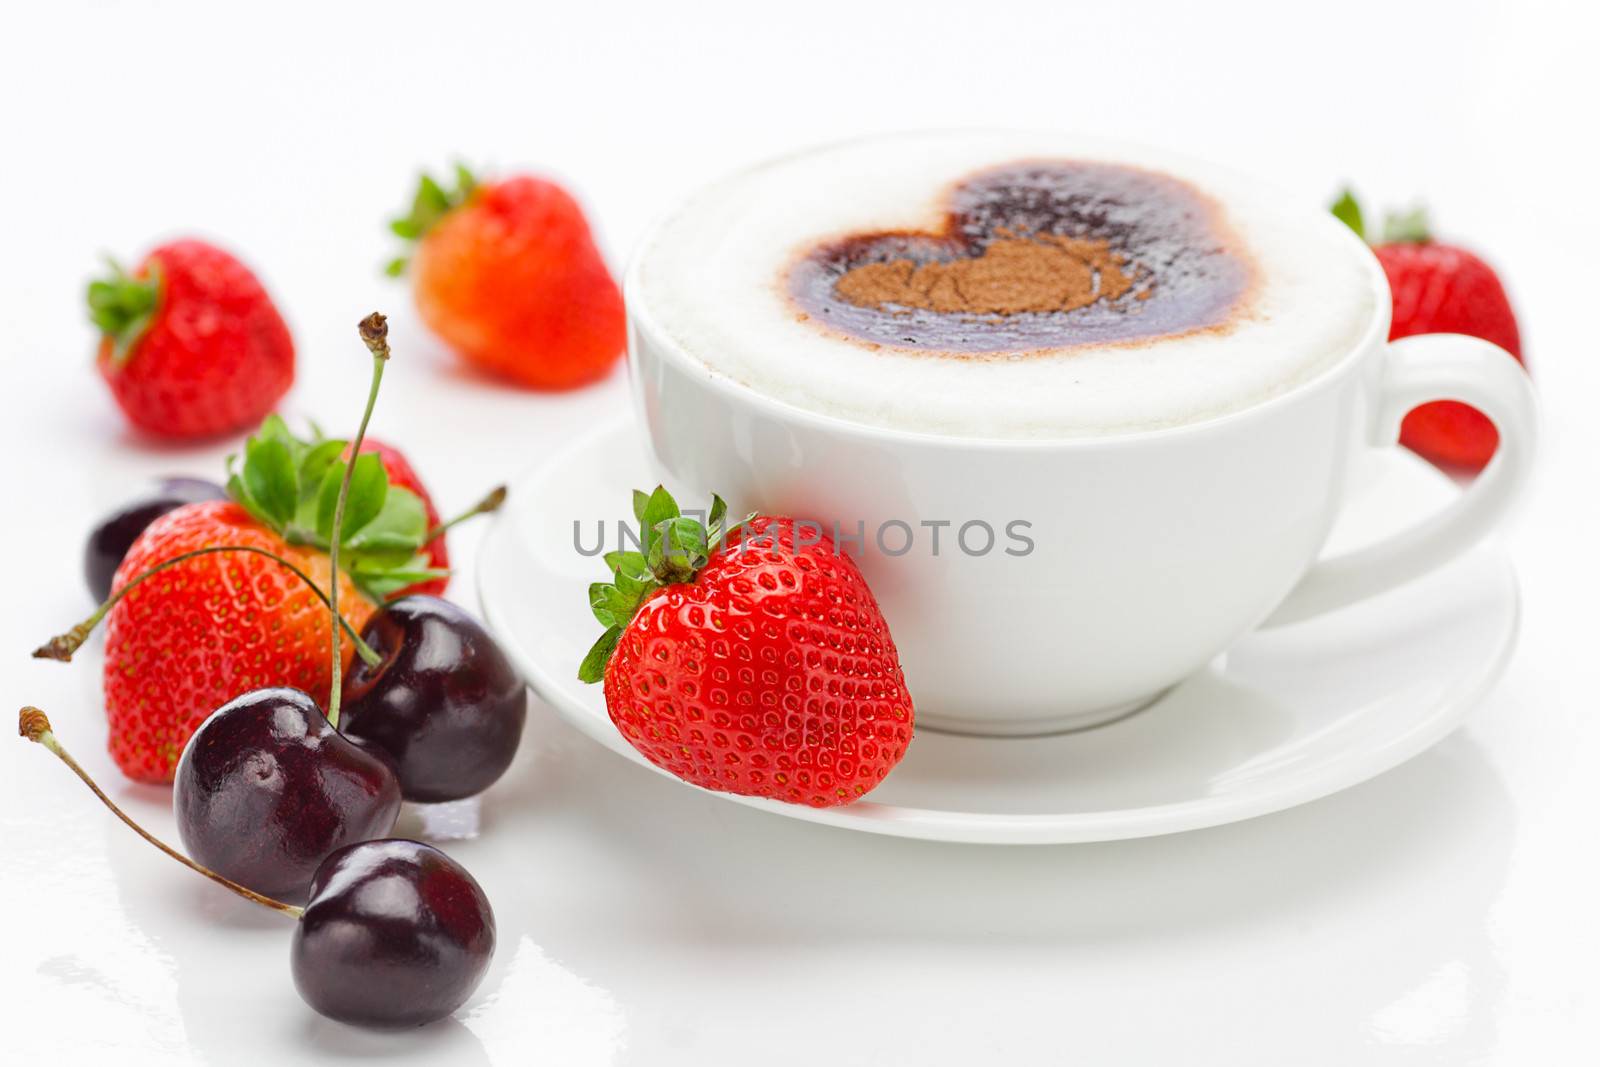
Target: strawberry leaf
[
  {"x": 598, "y": 594},
  {"x": 631, "y": 563},
  {"x": 430, "y": 203},
  {"x": 611, "y": 606},
  {"x": 394, "y": 535},
  {"x": 383, "y": 583},
  {"x": 375, "y": 548},
  {"x": 122, "y": 307},
  {"x": 241, "y": 495},
  {"x": 273, "y": 428},
  {"x": 593, "y": 667},
  {"x": 402, "y": 515},
  {"x": 634, "y": 585},
  {"x": 328, "y": 500},
  {"x": 369, "y": 485},
  {"x": 676, "y": 547},
  {"x": 291, "y": 485},
  {"x": 271, "y": 480},
  {"x": 658, "y": 508},
  {"x": 314, "y": 463},
  {"x": 1347, "y": 209},
  {"x": 1407, "y": 227}
]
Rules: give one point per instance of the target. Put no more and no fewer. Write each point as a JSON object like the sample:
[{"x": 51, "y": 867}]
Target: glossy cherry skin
[
  {"x": 396, "y": 933},
  {"x": 445, "y": 703},
  {"x": 266, "y": 789},
  {"x": 110, "y": 540}
]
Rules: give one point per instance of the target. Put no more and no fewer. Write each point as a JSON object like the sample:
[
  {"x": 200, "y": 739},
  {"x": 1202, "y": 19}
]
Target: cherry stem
[
  {"x": 488, "y": 504},
  {"x": 62, "y": 646},
  {"x": 375, "y": 335},
  {"x": 35, "y": 726}
]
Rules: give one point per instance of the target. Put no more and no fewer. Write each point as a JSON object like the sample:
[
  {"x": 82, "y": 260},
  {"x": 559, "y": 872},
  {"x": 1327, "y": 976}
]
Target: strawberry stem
[
  {"x": 488, "y": 504},
  {"x": 375, "y": 335},
  {"x": 35, "y": 726},
  {"x": 62, "y": 646}
]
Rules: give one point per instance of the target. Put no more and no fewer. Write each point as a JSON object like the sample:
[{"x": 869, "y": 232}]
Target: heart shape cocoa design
[{"x": 1036, "y": 255}]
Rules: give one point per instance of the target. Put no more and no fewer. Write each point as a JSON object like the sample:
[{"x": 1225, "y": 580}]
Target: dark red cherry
[
  {"x": 445, "y": 703},
  {"x": 110, "y": 540},
  {"x": 266, "y": 789},
  {"x": 396, "y": 933}
]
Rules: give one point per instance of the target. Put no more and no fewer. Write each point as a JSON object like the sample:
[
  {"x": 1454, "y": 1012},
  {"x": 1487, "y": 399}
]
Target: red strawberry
[
  {"x": 200, "y": 633},
  {"x": 1440, "y": 288},
  {"x": 191, "y": 343},
  {"x": 760, "y": 666},
  {"x": 508, "y": 275},
  {"x": 401, "y": 474},
  {"x": 195, "y": 636}
]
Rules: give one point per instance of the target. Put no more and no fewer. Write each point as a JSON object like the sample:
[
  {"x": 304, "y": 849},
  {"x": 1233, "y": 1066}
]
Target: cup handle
[{"x": 1420, "y": 369}]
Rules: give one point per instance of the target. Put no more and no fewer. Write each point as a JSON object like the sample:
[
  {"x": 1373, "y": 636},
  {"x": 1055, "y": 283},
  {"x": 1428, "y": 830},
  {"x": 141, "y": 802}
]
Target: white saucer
[{"x": 1287, "y": 716}]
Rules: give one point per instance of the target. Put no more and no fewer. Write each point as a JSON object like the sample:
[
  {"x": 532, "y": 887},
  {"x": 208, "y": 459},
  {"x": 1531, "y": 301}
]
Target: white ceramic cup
[{"x": 1152, "y": 551}]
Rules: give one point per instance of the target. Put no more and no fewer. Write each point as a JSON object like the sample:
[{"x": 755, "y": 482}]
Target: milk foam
[{"x": 714, "y": 278}]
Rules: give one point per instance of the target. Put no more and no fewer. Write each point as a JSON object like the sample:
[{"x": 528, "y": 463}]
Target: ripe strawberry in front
[
  {"x": 754, "y": 661},
  {"x": 193, "y": 637}
]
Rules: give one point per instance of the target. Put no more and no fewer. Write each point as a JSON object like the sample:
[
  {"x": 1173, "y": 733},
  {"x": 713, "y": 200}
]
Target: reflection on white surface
[
  {"x": 540, "y": 1005},
  {"x": 455, "y": 820},
  {"x": 1306, "y": 923},
  {"x": 1431, "y": 1013},
  {"x": 75, "y": 988}
]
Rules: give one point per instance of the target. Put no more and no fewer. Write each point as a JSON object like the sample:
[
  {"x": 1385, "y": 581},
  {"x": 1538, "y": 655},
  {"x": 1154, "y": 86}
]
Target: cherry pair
[
  {"x": 395, "y": 933},
  {"x": 268, "y": 786}
]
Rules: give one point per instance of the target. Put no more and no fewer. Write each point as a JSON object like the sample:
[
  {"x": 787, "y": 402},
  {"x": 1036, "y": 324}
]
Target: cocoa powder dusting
[{"x": 1013, "y": 275}]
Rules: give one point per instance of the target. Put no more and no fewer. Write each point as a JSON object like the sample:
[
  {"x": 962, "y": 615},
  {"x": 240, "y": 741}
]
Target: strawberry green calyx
[
  {"x": 291, "y": 486},
  {"x": 431, "y": 203},
  {"x": 121, "y": 306},
  {"x": 1399, "y": 227},
  {"x": 673, "y": 548},
  {"x": 1407, "y": 227}
]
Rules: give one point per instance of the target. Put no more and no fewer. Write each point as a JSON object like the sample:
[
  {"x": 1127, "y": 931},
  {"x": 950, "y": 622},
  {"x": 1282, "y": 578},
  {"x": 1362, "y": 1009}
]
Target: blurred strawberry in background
[
  {"x": 190, "y": 343},
  {"x": 506, "y": 272},
  {"x": 1440, "y": 288}
]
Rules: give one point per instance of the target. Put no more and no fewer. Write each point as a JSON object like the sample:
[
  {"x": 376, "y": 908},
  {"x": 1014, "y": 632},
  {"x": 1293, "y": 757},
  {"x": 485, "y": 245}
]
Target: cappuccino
[{"x": 1004, "y": 285}]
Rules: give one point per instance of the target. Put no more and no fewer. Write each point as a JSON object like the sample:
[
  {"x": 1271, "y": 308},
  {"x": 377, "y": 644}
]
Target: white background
[{"x": 1443, "y": 913}]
